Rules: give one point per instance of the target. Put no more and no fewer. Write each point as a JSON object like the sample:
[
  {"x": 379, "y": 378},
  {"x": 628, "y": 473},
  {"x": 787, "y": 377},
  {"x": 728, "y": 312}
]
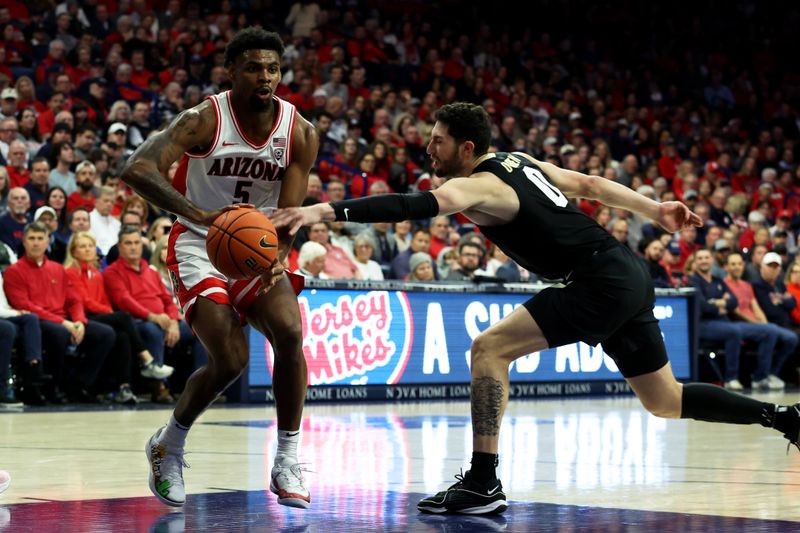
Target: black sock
[
  {"x": 785, "y": 420},
  {"x": 711, "y": 403},
  {"x": 483, "y": 465}
]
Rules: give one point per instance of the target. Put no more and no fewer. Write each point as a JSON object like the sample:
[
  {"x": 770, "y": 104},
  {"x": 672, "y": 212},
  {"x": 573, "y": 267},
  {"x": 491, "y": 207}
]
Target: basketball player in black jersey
[{"x": 521, "y": 205}]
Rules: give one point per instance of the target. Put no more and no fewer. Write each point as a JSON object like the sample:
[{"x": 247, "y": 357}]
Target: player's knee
[
  {"x": 481, "y": 349},
  {"x": 289, "y": 342},
  {"x": 228, "y": 370},
  {"x": 663, "y": 405}
]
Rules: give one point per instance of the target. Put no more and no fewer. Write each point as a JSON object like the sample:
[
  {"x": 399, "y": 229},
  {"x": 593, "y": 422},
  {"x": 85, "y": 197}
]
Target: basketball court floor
[{"x": 566, "y": 465}]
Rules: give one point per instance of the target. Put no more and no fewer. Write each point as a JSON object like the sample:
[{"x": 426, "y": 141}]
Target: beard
[
  {"x": 259, "y": 105},
  {"x": 448, "y": 168},
  {"x": 86, "y": 186}
]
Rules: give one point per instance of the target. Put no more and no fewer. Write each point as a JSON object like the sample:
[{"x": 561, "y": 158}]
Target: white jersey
[{"x": 235, "y": 169}]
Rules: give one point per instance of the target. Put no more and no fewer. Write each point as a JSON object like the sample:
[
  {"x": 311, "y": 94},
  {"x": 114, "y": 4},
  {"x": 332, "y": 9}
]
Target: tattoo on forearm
[{"x": 487, "y": 400}]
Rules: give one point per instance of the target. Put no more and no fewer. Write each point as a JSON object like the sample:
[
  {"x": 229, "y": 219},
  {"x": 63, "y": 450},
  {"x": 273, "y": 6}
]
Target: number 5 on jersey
[
  {"x": 240, "y": 195},
  {"x": 549, "y": 190}
]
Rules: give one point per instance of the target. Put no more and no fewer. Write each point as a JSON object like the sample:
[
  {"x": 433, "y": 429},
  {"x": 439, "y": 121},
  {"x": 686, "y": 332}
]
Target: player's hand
[
  {"x": 272, "y": 276},
  {"x": 674, "y": 216},
  {"x": 208, "y": 217},
  {"x": 294, "y": 218}
]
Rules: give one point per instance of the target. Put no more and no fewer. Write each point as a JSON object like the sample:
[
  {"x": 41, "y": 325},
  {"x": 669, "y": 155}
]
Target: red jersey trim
[
  {"x": 291, "y": 136},
  {"x": 213, "y": 146},
  {"x": 179, "y": 180},
  {"x": 240, "y": 131}
]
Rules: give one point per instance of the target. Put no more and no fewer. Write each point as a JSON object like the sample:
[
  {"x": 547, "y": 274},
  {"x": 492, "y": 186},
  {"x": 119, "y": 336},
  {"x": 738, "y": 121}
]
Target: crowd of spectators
[{"x": 671, "y": 107}]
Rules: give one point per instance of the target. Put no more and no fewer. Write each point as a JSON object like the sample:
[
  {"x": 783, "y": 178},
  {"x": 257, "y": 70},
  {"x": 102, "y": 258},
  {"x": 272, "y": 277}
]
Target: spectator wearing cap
[
  {"x": 56, "y": 249},
  {"x": 772, "y": 295},
  {"x": 14, "y": 220},
  {"x": 755, "y": 222},
  {"x": 420, "y": 242},
  {"x": 672, "y": 263},
  {"x": 783, "y": 222},
  {"x": 722, "y": 251},
  {"x": 421, "y": 267},
  {"x": 8, "y": 102},
  {"x": 768, "y": 363}
]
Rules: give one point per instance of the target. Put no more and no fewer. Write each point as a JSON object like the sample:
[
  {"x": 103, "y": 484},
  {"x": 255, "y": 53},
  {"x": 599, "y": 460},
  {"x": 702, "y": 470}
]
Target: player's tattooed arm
[
  {"x": 147, "y": 169},
  {"x": 487, "y": 402}
]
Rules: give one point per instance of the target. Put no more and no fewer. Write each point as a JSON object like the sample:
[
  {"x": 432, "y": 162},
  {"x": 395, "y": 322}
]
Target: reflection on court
[{"x": 563, "y": 463}]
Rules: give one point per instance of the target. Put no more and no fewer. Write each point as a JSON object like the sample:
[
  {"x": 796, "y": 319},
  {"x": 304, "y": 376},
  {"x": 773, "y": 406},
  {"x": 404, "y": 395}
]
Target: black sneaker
[
  {"x": 793, "y": 432},
  {"x": 467, "y": 496}
]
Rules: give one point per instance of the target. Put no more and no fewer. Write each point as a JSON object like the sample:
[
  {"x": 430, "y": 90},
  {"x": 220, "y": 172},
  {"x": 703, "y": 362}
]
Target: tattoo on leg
[{"x": 487, "y": 399}]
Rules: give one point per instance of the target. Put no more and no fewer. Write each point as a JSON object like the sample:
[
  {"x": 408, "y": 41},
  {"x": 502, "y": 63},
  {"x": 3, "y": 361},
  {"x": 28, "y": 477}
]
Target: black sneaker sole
[{"x": 495, "y": 507}]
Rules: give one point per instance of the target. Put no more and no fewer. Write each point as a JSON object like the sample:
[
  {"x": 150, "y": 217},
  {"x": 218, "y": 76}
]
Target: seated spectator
[
  {"x": 717, "y": 303},
  {"x": 160, "y": 227},
  {"x": 37, "y": 185},
  {"x": 61, "y": 175},
  {"x": 56, "y": 249},
  {"x": 765, "y": 376},
  {"x": 57, "y": 199},
  {"x": 653, "y": 254},
  {"x": 104, "y": 226},
  {"x": 501, "y": 266},
  {"x": 772, "y": 295},
  {"x": 470, "y": 259},
  {"x": 311, "y": 260},
  {"x": 440, "y": 231},
  {"x": 402, "y": 235},
  {"x": 4, "y": 188},
  {"x": 421, "y": 265},
  {"x": 36, "y": 284},
  {"x": 722, "y": 251},
  {"x": 20, "y": 328},
  {"x": 364, "y": 249},
  {"x": 420, "y": 242},
  {"x": 385, "y": 245},
  {"x": 752, "y": 271},
  {"x": 338, "y": 264},
  {"x": 340, "y": 236},
  {"x": 134, "y": 287},
  {"x": 18, "y": 173},
  {"x": 85, "y": 176},
  {"x": 13, "y": 222},
  {"x": 129, "y": 218},
  {"x": 447, "y": 261},
  {"x": 88, "y": 282},
  {"x": 159, "y": 264}
]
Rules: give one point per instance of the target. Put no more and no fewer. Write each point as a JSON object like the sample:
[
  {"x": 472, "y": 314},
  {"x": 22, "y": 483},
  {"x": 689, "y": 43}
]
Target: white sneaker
[
  {"x": 166, "y": 471},
  {"x": 762, "y": 385},
  {"x": 734, "y": 384},
  {"x": 775, "y": 382},
  {"x": 154, "y": 371},
  {"x": 287, "y": 482},
  {"x": 5, "y": 480}
]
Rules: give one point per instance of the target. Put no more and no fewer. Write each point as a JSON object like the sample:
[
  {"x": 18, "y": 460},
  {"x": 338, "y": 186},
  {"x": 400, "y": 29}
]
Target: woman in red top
[
  {"x": 88, "y": 283},
  {"x": 792, "y": 281}
]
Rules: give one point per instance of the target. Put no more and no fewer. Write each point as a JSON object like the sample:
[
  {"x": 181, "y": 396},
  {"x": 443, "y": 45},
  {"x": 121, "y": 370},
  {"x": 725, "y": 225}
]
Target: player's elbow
[{"x": 590, "y": 187}]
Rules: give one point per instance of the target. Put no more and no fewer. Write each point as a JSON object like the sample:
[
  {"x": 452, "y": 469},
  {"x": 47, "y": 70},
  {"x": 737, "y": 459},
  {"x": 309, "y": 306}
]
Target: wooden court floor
[{"x": 567, "y": 464}]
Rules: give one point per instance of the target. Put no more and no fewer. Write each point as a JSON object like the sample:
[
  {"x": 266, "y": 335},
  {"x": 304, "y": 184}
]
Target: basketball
[{"x": 242, "y": 243}]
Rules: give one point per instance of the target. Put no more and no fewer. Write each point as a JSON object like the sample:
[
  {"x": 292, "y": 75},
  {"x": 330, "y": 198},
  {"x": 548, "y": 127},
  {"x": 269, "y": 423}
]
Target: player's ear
[{"x": 468, "y": 147}]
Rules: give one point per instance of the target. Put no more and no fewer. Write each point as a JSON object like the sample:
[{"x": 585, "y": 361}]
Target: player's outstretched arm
[
  {"x": 671, "y": 215},
  {"x": 147, "y": 168},
  {"x": 454, "y": 196}
]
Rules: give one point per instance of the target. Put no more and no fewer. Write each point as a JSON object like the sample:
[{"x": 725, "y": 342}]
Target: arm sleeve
[{"x": 387, "y": 208}]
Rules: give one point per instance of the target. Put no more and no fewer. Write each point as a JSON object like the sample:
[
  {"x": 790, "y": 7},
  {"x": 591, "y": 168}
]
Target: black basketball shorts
[{"x": 609, "y": 300}]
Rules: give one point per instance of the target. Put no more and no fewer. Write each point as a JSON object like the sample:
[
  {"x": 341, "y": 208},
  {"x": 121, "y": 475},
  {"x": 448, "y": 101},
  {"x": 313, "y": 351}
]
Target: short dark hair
[
  {"x": 252, "y": 39},
  {"x": 40, "y": 159},
  {"x": 467, "y": 122},
  {"x": 127, "y": 229},
  {"x": 36, "y": 227}
]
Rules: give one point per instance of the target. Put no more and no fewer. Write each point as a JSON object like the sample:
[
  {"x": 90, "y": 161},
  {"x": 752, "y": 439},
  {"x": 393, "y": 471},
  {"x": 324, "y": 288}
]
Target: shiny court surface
[{"x": 567, "y": 465}]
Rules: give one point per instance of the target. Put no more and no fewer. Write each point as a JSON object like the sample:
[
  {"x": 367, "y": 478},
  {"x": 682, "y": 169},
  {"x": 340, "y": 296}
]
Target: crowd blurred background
[{"x": 699, "y": 107}]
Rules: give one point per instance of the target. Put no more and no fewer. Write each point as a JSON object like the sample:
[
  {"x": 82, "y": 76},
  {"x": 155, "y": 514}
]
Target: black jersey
[{"x": 549, "y": 236}]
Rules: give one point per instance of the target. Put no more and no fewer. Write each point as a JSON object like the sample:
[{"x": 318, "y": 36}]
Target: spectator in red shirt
[
  {"x": 85, "y": 175},
  {"x": 88, "y": 283},
  {"x": 36, "y": 284},
  {"x": 338, "y": 264},
  {"x": 17, "y": 167},
  {"x": 668, "y": 163},
  {"x": 440, "y": 230},
  {"x": 133, "y": 286}
]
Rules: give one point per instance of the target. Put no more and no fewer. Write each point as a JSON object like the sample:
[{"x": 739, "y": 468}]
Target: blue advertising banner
[{"x": 394, "y": 337}]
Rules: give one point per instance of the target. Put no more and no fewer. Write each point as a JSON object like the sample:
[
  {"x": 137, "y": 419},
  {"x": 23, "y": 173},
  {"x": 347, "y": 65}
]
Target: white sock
[
  {"x": 174, "y": 435},
  {"x": 287, "y": 446}
]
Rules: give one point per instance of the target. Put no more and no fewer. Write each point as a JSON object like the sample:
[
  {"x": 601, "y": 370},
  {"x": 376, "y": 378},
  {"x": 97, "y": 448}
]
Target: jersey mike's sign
[{"x": 356, "y": 338}]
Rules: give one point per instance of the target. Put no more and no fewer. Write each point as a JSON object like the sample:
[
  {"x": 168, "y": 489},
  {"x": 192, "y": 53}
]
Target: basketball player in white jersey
[{"x": 243, "y": 146}]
